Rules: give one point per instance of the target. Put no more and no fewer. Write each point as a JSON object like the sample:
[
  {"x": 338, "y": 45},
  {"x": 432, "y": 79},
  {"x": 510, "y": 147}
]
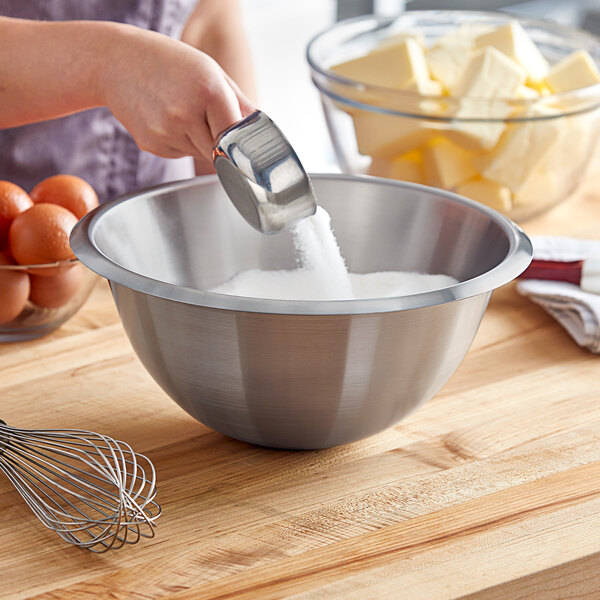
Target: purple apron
[{"x": 91, "y": 144}]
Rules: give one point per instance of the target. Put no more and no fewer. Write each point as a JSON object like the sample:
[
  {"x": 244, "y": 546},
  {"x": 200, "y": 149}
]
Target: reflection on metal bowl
[{"x": 299, "y": 374}]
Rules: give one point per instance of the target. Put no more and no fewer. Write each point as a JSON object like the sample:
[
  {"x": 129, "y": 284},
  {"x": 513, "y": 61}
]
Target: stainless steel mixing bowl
[{"x": 298, "y": 374}]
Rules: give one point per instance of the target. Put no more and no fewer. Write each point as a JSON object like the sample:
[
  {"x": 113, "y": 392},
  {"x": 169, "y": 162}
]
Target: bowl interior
[{"x": 189, "y": 235}]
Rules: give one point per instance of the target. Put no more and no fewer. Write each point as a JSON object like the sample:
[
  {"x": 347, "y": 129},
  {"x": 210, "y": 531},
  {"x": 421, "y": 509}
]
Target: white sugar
[
  {"x": 391, "y": 284},
  {"x": 301, "y": 284},
  {"x": 319, "y": 255},
  {"x": 322, "y": 273}
]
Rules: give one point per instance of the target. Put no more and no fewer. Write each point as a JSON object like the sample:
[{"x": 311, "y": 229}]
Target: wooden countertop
[{"x": 491, "y": 490}]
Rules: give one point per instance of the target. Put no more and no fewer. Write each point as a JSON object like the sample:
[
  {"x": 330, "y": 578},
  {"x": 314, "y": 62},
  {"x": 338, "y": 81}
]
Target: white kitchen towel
[{"x": 577, "y": 311}]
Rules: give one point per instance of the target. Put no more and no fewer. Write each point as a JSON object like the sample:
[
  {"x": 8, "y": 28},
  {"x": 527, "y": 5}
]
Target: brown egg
[
  {"x": 14, "y": 290},
  {"x": 41, "y": 234},
  {"x": 13, "y": 200},
  {"x": 72, "y": 192},
  {"x": 56, "y": 290}
]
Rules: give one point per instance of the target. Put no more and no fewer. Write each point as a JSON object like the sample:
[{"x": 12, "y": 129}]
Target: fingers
[
  {"x": 228, "y": 106},
  {"x": 197, "y": 138},
  {"x": 202, "y": 139},
  {"x": 191, "y": 127},
  {"x": 166, "y": 146},
  {"x": 246, "y": 105},
  {"x": 223, "y": 109}
]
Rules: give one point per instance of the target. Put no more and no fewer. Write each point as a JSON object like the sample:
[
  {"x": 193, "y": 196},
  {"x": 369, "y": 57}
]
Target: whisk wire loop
[{"x": 93, "y": 491}]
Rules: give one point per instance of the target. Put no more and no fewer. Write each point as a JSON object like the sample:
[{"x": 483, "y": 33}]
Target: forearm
[{"x": 51, "y": 69}]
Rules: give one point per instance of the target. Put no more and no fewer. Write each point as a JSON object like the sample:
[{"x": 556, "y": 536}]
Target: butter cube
[
  {"x": 522, "y": 151},
  {"x": 464, "y": 34},
  {"x": 578, "y": 70},
  {"x": 539, "y": 86},
  {"x": 487, "y": 192},
  {"x": 578, "y": 134},
  {"x": 391, "y": 65},
  {"x": 406, "y": 167},
  {"x": 527, "y": 93},
  {"x": 480, "y": 135},
  {"x": 390, "y": 135},
  {"x": 542, "y": 187},
  {"x": 513, "y": 41},
  {"x": 488, "y": 75},
  {"x": 446, "y": 163},
  {"x": 447, "y": 62},
  {"x": 426, "y": 87},
  {"x": 400, "y": 37}
]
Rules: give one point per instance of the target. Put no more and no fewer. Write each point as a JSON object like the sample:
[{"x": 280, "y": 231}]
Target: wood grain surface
[{"x": 490, "y": 491}]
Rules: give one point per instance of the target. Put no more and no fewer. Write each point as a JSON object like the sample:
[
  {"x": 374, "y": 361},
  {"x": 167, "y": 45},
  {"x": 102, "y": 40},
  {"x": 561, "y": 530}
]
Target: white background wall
[{"x": 278, "y": 33}]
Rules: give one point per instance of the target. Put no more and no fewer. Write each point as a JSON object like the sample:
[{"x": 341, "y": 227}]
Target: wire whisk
[{"x": 93, "y": 491}]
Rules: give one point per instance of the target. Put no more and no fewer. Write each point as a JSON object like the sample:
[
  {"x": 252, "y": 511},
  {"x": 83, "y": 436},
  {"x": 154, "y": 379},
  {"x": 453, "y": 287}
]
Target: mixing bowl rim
[
  {"x": 517, "y": 259},
  {"x": 593, "y": 91}
]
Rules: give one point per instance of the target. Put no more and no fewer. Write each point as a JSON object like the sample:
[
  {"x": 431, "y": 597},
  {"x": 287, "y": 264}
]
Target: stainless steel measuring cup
[{"x": 262, "y": 174}]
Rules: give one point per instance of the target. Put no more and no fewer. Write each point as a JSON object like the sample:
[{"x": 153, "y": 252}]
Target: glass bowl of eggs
[
  {"x": 37, "y": 299},
  {"x": 42, "y": 284},
  {"x": 501, "y": 110}
]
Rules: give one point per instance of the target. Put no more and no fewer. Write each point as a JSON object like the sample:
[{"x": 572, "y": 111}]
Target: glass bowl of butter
[{"x": 501, "y": 110}]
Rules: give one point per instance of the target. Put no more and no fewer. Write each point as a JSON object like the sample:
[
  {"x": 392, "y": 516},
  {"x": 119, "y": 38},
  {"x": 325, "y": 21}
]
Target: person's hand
[
  {"x": 173, "y": 99},
  {"x": 216, "y": 27}
]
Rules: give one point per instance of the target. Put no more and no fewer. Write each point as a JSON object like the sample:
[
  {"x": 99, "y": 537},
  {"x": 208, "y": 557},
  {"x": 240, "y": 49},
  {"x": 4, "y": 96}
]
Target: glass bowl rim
[{"x": 52, "y": 265}]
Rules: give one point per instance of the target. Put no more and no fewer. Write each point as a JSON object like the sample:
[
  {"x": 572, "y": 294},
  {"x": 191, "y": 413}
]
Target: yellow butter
[
  {"x": 389, "y": 135},
  {"x": 488, "y": 75},
  {"x": 446, "y": 163},
  {"x": 521, "y": 151},
  {"x": 426, "y": 87},
  {"x": 514, "y": 42},
  {"x": 487, "y": 192},
  {"x": 447, "y": 63},
  {"x": 577, "y": 137},
  {"x": 527, "y": 93},
  {"x": 390, "y": 65},
  {"x": 406, "y": 167},
  {"x": 464, "y": 34},
  {"x": 539, "y": 86},
  {"x": 542, "y": 187},
  {"x": 401, "y": 36},
  {"x": 578, "y": 70}
]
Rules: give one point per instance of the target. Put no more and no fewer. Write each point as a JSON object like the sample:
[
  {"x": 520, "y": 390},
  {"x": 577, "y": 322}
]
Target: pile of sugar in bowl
[{"x": 322, "y": 273}]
